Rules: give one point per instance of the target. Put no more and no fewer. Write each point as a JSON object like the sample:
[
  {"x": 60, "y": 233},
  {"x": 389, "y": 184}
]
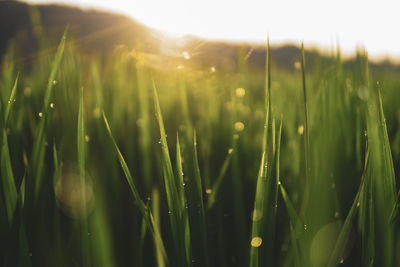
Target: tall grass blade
[
  {"x": 294, "y": 224},
  {"x": 11, "y": 101},
  {"x": 38, "y": 151},
  {"x": 150, "y": 224},
  {"x": 344, "y": 235},
  {"x": 215, "y": 188},
  {"x": 174, "y": 198}
]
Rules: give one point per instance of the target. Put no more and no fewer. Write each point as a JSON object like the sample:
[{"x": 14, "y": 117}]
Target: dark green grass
[{"x": 93, "y": 174}]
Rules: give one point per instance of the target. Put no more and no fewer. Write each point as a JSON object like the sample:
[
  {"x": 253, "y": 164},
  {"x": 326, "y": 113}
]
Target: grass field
[{"x": 110, "y": 162}]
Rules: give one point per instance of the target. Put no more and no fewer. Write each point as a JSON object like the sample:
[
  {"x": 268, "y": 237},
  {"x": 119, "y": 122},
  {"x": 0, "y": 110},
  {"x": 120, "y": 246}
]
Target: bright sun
[{"x": 323, "y": 23}]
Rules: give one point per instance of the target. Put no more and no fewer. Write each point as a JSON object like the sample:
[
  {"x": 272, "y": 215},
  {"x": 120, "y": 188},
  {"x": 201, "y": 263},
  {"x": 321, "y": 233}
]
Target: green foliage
[{"x": 291, "y": 191}]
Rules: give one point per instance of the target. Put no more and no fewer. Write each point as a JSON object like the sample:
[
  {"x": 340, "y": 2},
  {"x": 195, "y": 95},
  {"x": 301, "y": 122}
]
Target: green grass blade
[
  {"x": 344, "y": 235},
  {"x": 10, "y": 102},
  {"x": 81, "y": 148},
  {"x": 197, "y": 210},
  {"x": 155, "y": 196},
  {"x": 7, "y": 179},
  {"x": 185, "y": 215},
  {"x": 174, "y": 198},
  {"x": 37, "y": 157},
  {"x": 150, "y": 224},
  {"x": 215, "y": 188},
  {"x": 294, "y": 223},
  {"x": 258, "y": 212}
]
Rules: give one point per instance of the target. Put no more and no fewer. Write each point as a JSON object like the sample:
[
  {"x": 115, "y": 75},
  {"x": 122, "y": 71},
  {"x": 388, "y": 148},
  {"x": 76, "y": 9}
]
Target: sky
[{"x": 351, "y": 23}]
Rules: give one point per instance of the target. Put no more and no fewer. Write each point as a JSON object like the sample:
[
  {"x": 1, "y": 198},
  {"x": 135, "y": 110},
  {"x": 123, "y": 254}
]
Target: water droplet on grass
[
  {"x": 256, "y": 241},
  {"x": 40, "y": 114}
]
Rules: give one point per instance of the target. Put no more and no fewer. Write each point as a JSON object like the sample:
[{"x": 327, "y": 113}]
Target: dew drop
[
  {"x": 208, "y": 191},
  {"x": 54, "y": 82},
  {"x": 87, "y": 138},
  {"x": 213, "y": 69},
  {"x": 40, "y": 114},
  {"x": 256, "y": 241},
  {"x": 305, "y": 227},
  {"x": 51, "y": 105}
]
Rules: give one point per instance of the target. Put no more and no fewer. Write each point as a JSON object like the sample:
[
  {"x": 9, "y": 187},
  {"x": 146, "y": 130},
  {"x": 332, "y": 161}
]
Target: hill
[{"x": 95, "y": 31}]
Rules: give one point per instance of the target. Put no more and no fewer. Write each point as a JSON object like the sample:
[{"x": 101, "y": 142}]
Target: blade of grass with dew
[
  {"x": 10, "y": 102},
  {"x": 198, "y": 230},
  {"x": 215, "y": 188},
  {"x": 180, "y": 174},
  {"x": 81, "y": 148},
  {"x": 150, "y": 224},
  {"x": 277, "y": 163},
  {"x": 7, "y": 178},
  {"x": 294, "y": 222},
  {"x": 341, "y": 243},
  {"x": 200, "y": 206},
  {"x": 155, "y": 196},
  {"x": 175, "y": 205},
  {"x": 257, "y": 233},
  {"x": 366, "y": 216},
  {"x": 185, "y": 215},
  {"x": 383, "y": 183},
  {"x": 38, "y": 151},
  {"x": 7, "y": 175}
]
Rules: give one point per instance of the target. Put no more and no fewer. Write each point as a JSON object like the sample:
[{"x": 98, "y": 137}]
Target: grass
[{"x": 228, "y": 168}]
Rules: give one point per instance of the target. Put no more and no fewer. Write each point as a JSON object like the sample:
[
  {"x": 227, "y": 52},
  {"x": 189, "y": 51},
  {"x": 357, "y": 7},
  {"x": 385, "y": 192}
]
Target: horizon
[{"x": 186, "y": 18}]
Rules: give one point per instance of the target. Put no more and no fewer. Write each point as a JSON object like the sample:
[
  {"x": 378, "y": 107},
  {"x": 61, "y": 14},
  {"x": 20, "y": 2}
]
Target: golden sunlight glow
[{"x": 355, "y": 23}]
